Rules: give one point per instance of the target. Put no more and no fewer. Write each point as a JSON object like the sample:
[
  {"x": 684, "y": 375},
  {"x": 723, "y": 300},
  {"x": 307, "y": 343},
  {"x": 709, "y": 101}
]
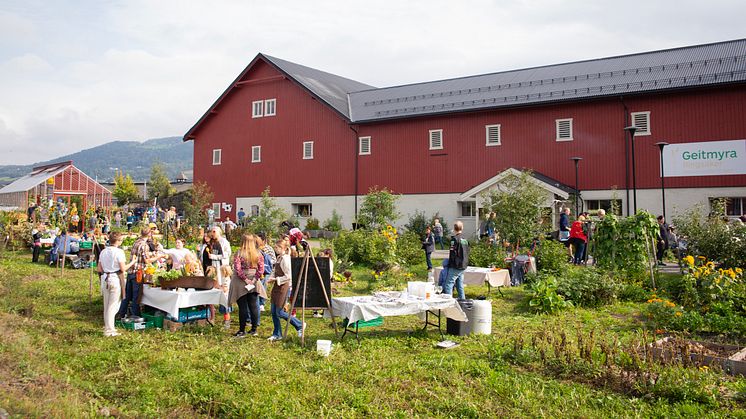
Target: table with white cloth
[
  {"x": 171, "y": 301},
  {"x": 478, "y": 276},
  {"x": 367, "y": 308}
]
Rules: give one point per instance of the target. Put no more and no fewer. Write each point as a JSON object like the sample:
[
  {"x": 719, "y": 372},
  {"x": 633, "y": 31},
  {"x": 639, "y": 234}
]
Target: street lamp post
[
  {"x": 577, "y": 192},
  {"x": 663, "y": 175},
  {"x": 631, "y": 130}
]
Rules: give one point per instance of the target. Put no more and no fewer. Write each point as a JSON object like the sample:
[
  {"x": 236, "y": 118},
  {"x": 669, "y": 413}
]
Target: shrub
[
  {"x": 485, "y": 255},
  {"x": 588, "y": 287},
  {"x": 269, "y": 218},
  {"x": 312, "y": 224},
  {"x": 623, "y": 244},
  {"x": 633, "y": 292},
  {"x": 378, "y": 209},
  {"x": 409, "y": 249},
  {"x": 551, "y": 257},
  {"x": 713, "y": 238},
  {"x": 544, "y": 297},
  {"x": 419, "y": 221},
  {"x": 334, "y": 223},
  {"x": 371, "y": 248}
]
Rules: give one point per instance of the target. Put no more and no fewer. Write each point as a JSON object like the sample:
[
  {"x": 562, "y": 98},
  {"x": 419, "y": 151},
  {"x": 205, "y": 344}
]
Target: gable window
[
  {"x": 217, "y": 156},
  {"x": 269, "y": 107},
  {"x": 257, "y": 109},
  {"x": 216, "y": 210},
  {"x": 436, "y": 139},
  {"x": 564, "y": 129},
  {"x": 307, "y": 150},
  {"x": 256, "y": 154},
  {"x": 492, "y": 133},
  {"x": 467, "y": 209},
  {"x": 364, "y": 146},
  {"x": 641, "y": 121},
  {"x": 303, "y": 210}
]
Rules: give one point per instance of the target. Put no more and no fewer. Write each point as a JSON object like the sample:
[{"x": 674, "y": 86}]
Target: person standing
[
  {"x": 36, "y": 234},
  {"x": 142, "y": 256},
  {"x": 428, "y": 245},
  {"x": 578, "y": 239},
  {"x": 564, "y": 230},
  {"x": 246, "y": 283},
  {"x": 662, "y": 240},
  {"x": 270, "y": 258},
  {"x": 438, "y": 231},
  {"x": 111, "y": 267},
  {"x": 130, "y": 221},
  {"x": 241, "y": 214},
  {"x": 458, "y": 261},
  {"x": 281, "y": 277},
  {"x": 118, "y": 219}
]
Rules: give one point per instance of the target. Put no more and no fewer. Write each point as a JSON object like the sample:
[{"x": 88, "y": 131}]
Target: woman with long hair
[{"x": 245, "y": 286}]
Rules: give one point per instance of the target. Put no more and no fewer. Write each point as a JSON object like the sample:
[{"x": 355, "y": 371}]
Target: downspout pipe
[
  {"x": 626, "y": 152},
  {"x": 357, "y": 164}
]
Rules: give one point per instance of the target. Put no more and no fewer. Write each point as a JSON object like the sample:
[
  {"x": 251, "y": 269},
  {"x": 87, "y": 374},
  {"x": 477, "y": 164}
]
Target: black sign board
[{"x": 314, "y": 292}]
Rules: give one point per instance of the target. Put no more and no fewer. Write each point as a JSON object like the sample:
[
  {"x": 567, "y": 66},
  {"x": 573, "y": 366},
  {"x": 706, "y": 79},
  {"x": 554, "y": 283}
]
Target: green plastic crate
[
  {"x": 156, "y": 320},
  {"x": 378, "y": 321},
  {"x": 85, "y": 245},
  {"x": 148, "y": 324}
]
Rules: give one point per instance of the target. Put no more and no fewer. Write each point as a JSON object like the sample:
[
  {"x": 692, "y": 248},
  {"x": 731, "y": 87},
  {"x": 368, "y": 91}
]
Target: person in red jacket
[{"x": 578, "y": 239}]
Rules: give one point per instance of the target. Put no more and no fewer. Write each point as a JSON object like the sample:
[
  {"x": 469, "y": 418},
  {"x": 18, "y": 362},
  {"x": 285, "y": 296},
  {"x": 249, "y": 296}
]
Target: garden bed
[{"x": 731, "y": 358}]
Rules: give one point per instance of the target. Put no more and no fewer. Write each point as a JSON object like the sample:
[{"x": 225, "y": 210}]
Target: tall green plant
[
  {"x": 625, "y": 244},
  {"x": 712, "y": 237},
  {"x": 517, "y": 202},
  {"x": 419, "y": 221},
  {"x": 334, "y": 223},
  {"x": 378, "y": 209},
  {"x": 159, "y": 185},
  {"x": 125, "y": 190},
  {"x": 197, "y": 202},
  {"x": 270, "y": 216}
]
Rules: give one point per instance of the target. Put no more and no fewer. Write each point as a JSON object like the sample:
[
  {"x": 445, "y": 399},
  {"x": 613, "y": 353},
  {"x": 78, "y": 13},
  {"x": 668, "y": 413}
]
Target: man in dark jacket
[
  {"x": 662, "y": 239},
  {"x": 458, "y": 260},
  {"x": 428, "y": 245}
]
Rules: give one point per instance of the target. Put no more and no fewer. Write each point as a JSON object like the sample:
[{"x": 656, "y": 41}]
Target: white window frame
[
  {"x": 296, "y": 209},
  {"x": 430, "y": 139},
  {"x": 638, "y": 132},
  {"x": 305, "y": 156},
  {"x": 217, "y": 152},
  {"x": 487, "y": 135},
  {"x": 216, "y": 207},
  {"x": 473, "y": 205},
  {"x": 257, "y": 109},
  {"x": 360, "y": 146},
  {"x": 256, "y": 154},
  {"x": 557, "y": 123},
  {"x": 274, "y": 107}
]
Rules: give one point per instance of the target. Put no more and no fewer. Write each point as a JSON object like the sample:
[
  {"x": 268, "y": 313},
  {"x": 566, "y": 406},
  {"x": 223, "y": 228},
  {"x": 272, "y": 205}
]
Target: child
[{"x": 281, "y": 276}]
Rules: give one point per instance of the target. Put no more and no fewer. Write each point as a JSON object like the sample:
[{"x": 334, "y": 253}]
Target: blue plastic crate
[{"x": 190, "y": 313}]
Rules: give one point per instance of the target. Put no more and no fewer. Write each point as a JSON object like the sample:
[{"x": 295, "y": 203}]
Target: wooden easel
[{"x": 303, "y": 281}]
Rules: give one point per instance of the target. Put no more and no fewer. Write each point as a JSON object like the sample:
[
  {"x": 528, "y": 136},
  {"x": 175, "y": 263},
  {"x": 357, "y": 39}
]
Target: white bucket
[
  {"x": 481, "y": 317},
  {"x": 324, "y": 347}
]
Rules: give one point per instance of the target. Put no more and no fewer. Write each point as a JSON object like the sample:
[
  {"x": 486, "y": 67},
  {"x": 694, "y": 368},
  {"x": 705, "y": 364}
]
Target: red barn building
[{"x": 320, "y": 141}]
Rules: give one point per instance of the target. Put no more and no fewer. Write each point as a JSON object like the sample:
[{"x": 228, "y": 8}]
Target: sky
[{"x": 76, "y": 74}]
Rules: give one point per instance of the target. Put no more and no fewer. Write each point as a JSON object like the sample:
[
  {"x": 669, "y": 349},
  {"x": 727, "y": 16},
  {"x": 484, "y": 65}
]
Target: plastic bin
[
  {"x": 481, "y": 318},
  {"x": 457, "y": 328},
  {"x": 155, "y": 319},
  {"x": 190, "y": 314},
  {"x": 134, "y": 326}
]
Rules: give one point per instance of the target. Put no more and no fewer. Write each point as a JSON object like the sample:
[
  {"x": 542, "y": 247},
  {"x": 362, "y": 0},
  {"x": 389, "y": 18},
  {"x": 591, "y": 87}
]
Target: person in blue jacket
[{"x": 60, "y": 242}]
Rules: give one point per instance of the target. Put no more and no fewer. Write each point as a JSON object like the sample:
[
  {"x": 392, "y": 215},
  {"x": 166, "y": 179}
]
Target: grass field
[{"x": 54, "y": 361}]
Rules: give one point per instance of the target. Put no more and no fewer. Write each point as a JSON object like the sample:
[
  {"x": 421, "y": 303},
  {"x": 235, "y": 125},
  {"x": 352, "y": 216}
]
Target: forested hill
[{"x": 132, "y": 157}]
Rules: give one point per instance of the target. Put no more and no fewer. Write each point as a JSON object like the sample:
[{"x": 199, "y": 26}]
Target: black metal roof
[
  {"x": 330, "y": 88},
  {"x": 686, "y": 67}
]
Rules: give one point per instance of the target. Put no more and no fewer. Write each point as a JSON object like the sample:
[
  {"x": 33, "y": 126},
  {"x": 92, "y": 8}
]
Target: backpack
[{"x": 458, "y": 256}]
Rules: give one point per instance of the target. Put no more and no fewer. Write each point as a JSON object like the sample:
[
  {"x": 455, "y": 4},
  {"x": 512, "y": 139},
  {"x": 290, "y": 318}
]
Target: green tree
[
  {"x": 378, "y": 208},
  {"x": 199, "y": 198},
  {"x": 159, "y": 185},
  {"x": 125, "y": 190},
  {"x": 517, "y": 203},
  {"x": 270, "y": 216}
]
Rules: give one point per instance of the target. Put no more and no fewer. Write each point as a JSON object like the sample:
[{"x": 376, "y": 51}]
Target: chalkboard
[{"x": 314, "y": 293}]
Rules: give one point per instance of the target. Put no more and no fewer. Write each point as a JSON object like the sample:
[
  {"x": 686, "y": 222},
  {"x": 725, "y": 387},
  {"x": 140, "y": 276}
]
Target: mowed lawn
[{"x": 54, "y": 361}]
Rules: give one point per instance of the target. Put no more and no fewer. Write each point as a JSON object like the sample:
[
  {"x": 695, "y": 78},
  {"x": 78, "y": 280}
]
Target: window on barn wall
[
  {"x": 493, "y": 134},
  {"x": 269, "y": 107},
  {"x": 307, "y": 150},
  {"x": 564, "y": 129},
  {"x": 611, "y": 206},
  {"x": 216, "y": 209},
  {"x": 436, "y": 139},
  {"x": 641, "y": 121},
  {"x": 468, "y": 208},
  {"x": 257, "y": 109},
  {"x": 217, "y": 156},
  {"x": 734, "y": 206},
  {"x": 255, "y": 210},
  {"x": 364, "y": 148},
  {"x": 256, "y": 154},
  {"x": 303, "y": 210}
]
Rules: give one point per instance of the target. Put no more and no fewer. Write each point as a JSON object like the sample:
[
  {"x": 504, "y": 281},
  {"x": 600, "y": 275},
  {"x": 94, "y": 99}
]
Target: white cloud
[{"x": 77, "y": 74}]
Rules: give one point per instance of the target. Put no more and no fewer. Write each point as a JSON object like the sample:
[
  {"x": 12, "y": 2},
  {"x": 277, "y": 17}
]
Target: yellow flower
[
  {"x": 678, "y": 314},
  {"x": 689, "y": 260},
  {"x": 739, "y": 271}
]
